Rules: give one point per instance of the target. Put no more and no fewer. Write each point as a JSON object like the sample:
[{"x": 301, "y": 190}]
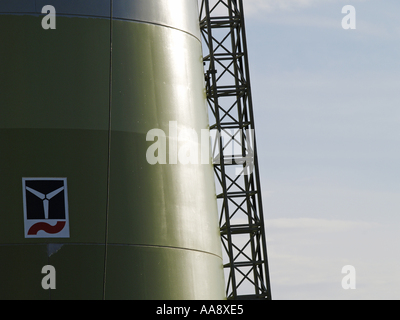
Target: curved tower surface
[{"x": 78, "y": 99}]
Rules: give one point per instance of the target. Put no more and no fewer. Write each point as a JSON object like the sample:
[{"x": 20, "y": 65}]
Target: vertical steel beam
[
  {"x": 212, "y": 94},
  {"x": 231, "y": 115}
]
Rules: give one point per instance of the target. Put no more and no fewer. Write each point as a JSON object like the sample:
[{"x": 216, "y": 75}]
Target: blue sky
[{"x": 327, "y": 123}]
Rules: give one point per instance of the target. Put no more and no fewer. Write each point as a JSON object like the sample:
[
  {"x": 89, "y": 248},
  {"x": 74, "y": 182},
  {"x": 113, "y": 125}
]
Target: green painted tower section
[{"x": 76, "y": 104}]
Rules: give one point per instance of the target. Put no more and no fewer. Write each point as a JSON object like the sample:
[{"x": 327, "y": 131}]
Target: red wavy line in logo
[{"x": 46, "y": 227}]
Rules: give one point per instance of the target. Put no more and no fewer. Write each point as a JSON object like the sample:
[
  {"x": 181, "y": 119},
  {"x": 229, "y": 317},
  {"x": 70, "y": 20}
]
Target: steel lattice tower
[{"x": 235, "y": 154}]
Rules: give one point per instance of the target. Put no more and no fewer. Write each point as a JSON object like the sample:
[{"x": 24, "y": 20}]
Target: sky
[{"x": 326, "y": 102}]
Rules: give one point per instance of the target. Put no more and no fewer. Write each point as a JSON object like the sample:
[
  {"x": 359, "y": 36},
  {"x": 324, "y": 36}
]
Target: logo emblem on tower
[{"x": 45, "y": 207}]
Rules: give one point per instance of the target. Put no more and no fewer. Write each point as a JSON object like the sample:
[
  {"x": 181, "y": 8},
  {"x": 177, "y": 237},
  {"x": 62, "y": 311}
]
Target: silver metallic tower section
[{"x": 236, "y": 164}]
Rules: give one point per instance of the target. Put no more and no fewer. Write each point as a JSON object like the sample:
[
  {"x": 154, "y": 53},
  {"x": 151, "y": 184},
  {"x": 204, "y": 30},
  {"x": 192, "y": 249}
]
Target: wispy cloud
[
  {"x": 261, "y": 6},
  {"x": 306, "y": 257},
  {"x": 318, "y": 225},
  {"x": 254, "y": 6},
  {"x": 257, "y": 6}
]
